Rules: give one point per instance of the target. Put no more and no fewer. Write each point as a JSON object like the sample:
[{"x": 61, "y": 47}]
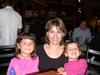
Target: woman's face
[
  {"x": 26, "y": 46},
  {"x": 72, "y": 51},
  {"x": 55, "y": 35}
]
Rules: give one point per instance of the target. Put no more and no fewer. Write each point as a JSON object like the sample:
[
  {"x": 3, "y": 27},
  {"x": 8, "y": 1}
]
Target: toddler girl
[
  {"x": 75, "y": 65},
  {"x": 25, "y": 61}
]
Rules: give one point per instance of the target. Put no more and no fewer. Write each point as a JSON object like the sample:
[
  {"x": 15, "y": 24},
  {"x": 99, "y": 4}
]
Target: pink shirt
[
  {"x": 76, "y": 67},
  {"x": 23, "y": 66}
]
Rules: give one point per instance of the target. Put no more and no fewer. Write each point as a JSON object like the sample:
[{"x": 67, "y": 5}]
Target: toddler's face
[
  {"x": 72, "y": 51},
  {"x": 26, "y": 46}
]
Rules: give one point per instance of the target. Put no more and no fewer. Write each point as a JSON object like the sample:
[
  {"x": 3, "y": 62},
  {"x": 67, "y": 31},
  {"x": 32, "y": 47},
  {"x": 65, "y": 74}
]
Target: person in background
[
  {"x": 82, "y": 33},
  {"x": 51, "y": 52},
  {"x": 10, "y": 24},
  {"x": 75, "y": 64},
  {"x": 25, "y": 61}
]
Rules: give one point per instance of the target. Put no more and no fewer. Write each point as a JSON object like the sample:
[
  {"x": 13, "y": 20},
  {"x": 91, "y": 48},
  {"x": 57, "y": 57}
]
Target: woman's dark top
[{"x": 47, "y": 63}]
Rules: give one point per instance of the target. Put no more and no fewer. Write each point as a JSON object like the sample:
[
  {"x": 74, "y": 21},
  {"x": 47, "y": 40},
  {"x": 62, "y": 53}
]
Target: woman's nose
[{"x": 55, "y": 34}]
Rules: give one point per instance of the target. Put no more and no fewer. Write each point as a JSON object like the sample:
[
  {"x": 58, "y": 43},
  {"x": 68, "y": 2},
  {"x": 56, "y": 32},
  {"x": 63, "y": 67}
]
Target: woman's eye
[
  {"x": 52, "y": 32},
  {"x": 23, "y": 43},
  {"x": 31, "y": 44},
  {"x": 59, "y": 32}
]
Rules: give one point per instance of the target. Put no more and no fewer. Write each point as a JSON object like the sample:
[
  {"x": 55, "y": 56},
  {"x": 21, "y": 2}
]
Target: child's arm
[
  {"x": 82, "y": 67},
  {"x": 61, "y": 71},
  {"x": 78, "y": 68},
  {"x": 10, "y": 66}
]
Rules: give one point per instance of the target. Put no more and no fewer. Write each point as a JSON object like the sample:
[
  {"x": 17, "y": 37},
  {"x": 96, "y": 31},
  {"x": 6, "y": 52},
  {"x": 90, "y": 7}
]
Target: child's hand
[{"x": 61, "y": 71}]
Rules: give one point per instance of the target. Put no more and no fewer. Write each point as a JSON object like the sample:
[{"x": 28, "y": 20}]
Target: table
[{"x": 52, "y": 72}]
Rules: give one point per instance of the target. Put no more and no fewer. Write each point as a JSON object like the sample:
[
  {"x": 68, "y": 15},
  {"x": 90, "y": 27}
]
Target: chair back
[
  {"x": 93, "y": 58},
  {"x": 6, "y": 53}
]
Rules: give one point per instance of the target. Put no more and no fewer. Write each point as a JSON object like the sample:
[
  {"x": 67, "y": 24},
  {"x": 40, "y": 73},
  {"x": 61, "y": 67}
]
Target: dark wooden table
[{"x": 45, "y": 73}]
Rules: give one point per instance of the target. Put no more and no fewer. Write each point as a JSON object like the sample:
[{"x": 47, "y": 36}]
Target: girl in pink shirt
[
  {"x": 75, "y": 66},
  {"x": 25, "y": 61}
]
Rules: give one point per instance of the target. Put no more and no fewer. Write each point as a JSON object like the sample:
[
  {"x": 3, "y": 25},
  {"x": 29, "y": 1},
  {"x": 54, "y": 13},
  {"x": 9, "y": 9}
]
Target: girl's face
[
  {"x": 55, "y": 35},
  {"x": 72, "y": 51},
  {"x": 26, "y": 46}
]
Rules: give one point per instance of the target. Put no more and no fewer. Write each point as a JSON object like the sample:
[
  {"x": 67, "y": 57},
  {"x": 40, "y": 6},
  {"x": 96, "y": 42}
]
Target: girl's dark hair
[
  {"x": 55, "y": 22},
  {"x": 25, "y": 35},
  {"x": 78, "y": 44}
]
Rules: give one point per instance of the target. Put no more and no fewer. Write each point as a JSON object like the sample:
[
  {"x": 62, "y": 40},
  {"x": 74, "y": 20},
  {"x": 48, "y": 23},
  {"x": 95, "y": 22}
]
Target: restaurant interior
[{"x": 35, "y": 14}]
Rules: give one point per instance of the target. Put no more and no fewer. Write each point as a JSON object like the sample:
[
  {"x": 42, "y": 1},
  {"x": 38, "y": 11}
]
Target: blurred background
[{"x": 35, "y": 13}]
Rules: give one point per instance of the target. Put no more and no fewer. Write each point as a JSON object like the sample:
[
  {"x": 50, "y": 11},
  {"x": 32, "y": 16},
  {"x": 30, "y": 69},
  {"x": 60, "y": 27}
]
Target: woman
[{"x": 51, "y": 54}]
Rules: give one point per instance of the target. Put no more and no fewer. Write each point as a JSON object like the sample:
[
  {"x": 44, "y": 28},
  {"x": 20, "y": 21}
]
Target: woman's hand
[{"x": 61, "y": 71}]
